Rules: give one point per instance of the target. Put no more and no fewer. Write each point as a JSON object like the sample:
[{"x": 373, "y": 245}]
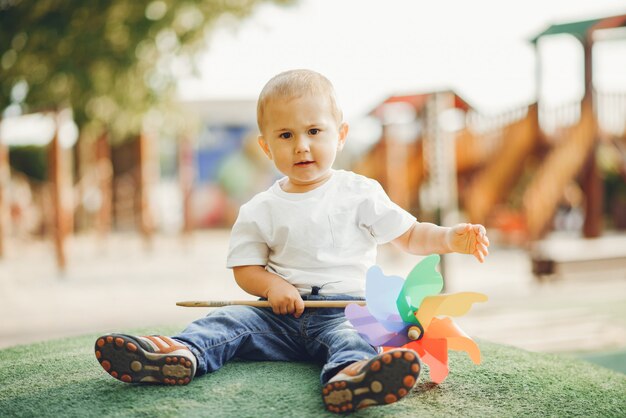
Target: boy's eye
[
  {"x": 314, "y": 131},
  {"x": 285, "y": 135}
]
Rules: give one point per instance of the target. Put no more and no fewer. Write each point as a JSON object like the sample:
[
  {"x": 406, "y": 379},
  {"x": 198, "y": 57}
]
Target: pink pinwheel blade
[
  {"x": 368, "y": 326},
  {"x": 433, "y": 352}
]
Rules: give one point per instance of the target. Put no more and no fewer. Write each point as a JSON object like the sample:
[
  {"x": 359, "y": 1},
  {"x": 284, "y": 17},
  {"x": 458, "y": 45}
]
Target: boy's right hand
[{"x": 285, "y": 299}]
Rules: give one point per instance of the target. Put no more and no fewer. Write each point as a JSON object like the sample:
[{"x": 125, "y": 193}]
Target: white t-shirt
[{"x": 326, "y": 237}]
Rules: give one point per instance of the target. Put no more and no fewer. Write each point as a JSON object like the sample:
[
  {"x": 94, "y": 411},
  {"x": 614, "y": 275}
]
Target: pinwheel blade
[
  {"x": 380, "y": 293},
  {"x": 368, "y": 326},
  {"x": 433, "y": 352},
  {"x": 424, "y": 280},
  {"x": 457, "y": 339},
  {"x": 455, "y": 304}
]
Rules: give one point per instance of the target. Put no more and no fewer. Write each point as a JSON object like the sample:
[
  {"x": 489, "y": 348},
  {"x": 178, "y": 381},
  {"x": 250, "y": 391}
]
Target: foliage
[
  {"x": 112, "y": 61},
  {"x": 30, "y": 160}
]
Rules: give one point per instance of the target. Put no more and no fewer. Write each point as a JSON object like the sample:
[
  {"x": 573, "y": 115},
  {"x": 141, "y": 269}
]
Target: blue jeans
[{"x": 320, "y": 334}]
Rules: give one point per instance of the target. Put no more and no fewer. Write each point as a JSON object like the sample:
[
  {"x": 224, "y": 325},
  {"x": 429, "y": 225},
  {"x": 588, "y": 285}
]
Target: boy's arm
[
  {"x": 425, "y": 238},
  {"x": 283, "y": 296}
]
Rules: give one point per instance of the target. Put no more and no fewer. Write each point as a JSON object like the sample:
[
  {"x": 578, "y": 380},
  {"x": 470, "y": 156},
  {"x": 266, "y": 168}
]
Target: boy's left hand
[{"x": 468, "y": 239}]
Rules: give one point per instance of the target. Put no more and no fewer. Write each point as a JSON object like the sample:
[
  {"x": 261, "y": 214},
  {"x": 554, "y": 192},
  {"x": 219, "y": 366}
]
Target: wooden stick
[{"x": 266, "y": 304}]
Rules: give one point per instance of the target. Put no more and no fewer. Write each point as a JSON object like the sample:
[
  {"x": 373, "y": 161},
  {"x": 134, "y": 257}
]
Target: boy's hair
[{"x": 296, "y": 83}]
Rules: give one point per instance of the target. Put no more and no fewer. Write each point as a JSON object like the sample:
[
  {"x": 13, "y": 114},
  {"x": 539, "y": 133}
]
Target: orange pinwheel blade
[{"x": 457, "y": 339}]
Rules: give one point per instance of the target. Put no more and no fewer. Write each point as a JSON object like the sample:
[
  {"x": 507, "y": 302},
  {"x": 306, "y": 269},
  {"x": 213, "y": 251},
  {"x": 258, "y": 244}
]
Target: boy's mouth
[{"x": 304, "y": 163}]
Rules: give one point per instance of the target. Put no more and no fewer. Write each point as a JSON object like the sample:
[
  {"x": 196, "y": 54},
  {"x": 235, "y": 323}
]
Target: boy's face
[{"x": 302, "y": 136}]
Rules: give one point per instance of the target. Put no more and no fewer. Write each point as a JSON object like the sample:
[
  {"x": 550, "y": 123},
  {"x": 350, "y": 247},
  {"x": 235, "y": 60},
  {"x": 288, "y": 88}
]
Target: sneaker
[
  {"x": 150, "y": 359},
  {"x": 381, "y": 380}
]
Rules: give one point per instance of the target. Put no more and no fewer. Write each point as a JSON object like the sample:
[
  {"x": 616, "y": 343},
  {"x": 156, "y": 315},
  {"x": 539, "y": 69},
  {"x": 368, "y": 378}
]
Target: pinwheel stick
[{"x": 266, "y": 304}]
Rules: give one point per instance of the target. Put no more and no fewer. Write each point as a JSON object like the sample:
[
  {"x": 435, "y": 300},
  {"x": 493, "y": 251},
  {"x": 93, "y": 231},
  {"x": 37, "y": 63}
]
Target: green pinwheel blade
[{"x": 424, "y": 280}]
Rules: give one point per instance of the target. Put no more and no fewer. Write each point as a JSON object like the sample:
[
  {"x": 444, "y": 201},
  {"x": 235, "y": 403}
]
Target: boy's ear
[
  {"x": 264, "y": 146},
  {"x": 343, "y": 135}
]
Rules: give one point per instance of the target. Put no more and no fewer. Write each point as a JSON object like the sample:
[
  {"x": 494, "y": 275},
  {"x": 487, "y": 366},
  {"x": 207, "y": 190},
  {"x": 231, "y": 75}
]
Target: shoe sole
[
  {"x": 384, "y": 380},
  {"x": 124, "y": 359}
]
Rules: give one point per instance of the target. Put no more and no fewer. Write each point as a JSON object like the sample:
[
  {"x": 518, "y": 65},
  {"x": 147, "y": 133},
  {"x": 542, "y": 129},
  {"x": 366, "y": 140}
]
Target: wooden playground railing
[
  {"x": 611, "y": 113},
  {"x": 484, "y": 136},
  {"x": 555, "y": 122},
  {"x": 510, "y": 141}
]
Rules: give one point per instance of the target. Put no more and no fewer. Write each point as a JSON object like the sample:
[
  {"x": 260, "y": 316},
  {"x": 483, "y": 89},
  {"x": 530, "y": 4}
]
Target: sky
[{"x": 371, "y": 50}]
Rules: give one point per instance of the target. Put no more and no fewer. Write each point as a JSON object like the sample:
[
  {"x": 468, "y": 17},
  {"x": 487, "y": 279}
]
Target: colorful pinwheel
[{"x": 402, "y": 313}]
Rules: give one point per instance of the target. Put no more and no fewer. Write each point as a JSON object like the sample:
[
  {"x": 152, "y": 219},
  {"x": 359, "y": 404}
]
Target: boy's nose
[{"x": 302, "y": 144}]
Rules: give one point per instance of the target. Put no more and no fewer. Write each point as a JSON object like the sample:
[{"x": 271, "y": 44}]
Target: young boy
[{"x": 311, "y": 236}]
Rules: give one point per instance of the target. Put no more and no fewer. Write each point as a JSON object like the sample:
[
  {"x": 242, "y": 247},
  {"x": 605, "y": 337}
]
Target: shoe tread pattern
[
  {"x": 385, "y": 379},
  {"x": 130, "y": 360}
]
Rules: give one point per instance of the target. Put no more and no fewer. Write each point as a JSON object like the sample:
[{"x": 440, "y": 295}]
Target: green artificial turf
[
  {"x": 614, "y": 360},
  {"x": 63, "y": 378}
]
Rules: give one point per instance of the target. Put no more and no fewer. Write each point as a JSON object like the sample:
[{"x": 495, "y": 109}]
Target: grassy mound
[{"x": 63, "y": 378}]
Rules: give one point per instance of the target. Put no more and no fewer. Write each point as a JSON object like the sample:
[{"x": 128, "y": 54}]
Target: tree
[{"x": 111, "y": 61}]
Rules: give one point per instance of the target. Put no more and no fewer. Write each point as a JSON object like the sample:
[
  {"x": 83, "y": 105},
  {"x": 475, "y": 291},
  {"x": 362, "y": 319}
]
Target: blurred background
[{"x": 128, "y": 143}]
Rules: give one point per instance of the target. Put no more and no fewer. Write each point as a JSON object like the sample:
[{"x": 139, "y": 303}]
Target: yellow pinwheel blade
[{"x": 454, "y": 304}]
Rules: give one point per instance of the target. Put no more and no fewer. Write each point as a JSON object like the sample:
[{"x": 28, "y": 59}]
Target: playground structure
[
  {"x": 55, "y": 195},
  {"x": 511, "y": 169},
  {"x": 515, "y": 166}
]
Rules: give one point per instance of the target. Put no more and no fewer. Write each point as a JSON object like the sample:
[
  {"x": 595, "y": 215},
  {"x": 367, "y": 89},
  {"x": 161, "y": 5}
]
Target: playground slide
[
  {"x": 559, "y": 168},
  {"x": 491, "y": 185}
]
